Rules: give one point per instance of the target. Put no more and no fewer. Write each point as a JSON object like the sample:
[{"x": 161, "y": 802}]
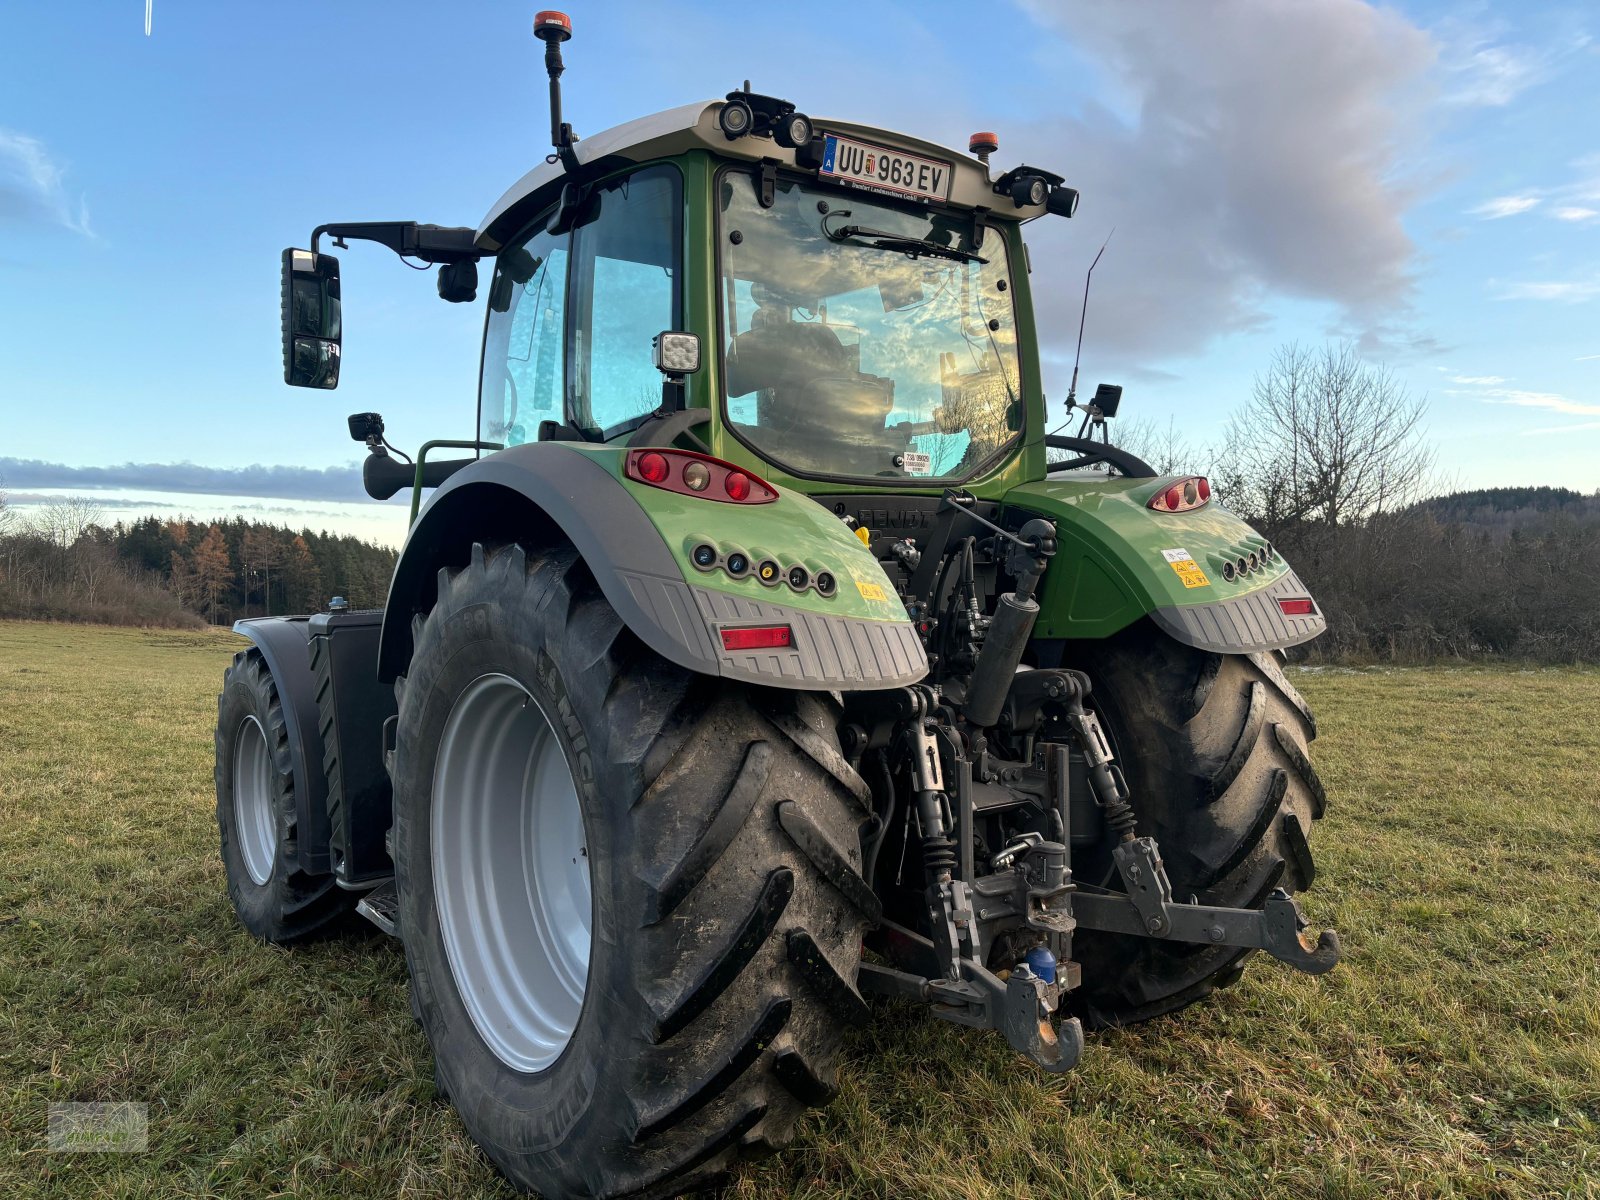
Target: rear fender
[
  {"x": 1119, "y": 560},
  {"x": 636, "y": 542},
  {"x": 284, "y": 643}
]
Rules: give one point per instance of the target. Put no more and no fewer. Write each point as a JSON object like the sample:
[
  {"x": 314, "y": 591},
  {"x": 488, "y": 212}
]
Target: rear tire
[
  {"x": 275, "y": 900},
  {"x": 1214, "y": 750},
  {"x": 722, "y": 955}
]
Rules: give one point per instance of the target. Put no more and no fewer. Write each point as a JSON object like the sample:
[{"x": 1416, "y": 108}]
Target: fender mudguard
[
  {"x": 285, "y": 644},
  {"x": 552, "y": 493},
  {"x": 1119, "y": 561}
]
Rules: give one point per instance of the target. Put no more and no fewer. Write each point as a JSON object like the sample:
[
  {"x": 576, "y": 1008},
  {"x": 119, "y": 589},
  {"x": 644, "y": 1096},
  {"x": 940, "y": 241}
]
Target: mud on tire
[
  {"x": 1214, "y": 749},
  {"x": 728, "y": 908}
]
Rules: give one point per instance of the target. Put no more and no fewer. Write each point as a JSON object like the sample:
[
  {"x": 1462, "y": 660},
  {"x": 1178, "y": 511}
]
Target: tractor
[{"x": 765, "y": 653}]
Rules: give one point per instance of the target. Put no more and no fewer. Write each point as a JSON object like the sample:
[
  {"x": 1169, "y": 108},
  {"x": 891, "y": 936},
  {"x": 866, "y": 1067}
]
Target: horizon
[{"x": 1407, "y": 178}]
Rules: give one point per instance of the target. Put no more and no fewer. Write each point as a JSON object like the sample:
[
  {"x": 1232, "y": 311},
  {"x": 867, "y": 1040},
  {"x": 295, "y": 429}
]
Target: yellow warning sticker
[
  {"x": 1189, "y": 571},
  {"x": 871, "y": 591}
]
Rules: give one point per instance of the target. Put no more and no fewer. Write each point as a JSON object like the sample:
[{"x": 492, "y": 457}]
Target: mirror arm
[{"x": 430, "y": 243}]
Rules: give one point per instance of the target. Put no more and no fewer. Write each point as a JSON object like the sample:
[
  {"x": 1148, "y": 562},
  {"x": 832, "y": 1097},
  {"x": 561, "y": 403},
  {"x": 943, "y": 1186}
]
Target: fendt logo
[{"x": 894, "y": 518}]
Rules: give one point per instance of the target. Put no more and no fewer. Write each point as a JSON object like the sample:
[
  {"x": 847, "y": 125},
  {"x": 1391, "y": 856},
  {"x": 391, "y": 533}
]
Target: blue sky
[{"x": 1423, "y": 178}]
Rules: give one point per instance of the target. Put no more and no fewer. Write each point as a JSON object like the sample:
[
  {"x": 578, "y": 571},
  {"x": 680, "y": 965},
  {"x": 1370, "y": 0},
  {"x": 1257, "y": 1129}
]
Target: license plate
[{"x": 894, "y": 172}]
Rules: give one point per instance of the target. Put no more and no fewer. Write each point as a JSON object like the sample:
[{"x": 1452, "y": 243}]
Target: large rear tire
[
  {"x": 275, "y": 900},
  {"x": 703, "y": 1006},
  {"x": 1214, "y": 750}
]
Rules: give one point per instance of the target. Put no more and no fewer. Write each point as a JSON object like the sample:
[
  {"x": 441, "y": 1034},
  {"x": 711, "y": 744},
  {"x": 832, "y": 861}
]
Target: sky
[{"x": 1421, "y": 179}]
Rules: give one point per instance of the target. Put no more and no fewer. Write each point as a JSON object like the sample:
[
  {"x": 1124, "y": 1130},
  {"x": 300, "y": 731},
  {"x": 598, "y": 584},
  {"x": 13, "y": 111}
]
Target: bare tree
[
  {"x": 1324, "y": 439},
  {"x": 1164, "y": 447},
  {"x": 63, "y": 522}
]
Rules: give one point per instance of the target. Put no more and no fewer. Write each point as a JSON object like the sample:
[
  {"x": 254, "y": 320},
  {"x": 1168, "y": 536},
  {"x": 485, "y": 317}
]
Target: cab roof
[{"x": 694, "y": 127}]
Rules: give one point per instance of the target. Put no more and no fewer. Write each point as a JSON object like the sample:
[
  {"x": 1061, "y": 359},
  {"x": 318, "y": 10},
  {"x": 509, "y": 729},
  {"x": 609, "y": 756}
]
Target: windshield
[{"x": 857, "y": 341}]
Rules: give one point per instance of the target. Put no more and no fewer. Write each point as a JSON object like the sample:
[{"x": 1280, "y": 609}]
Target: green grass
[{"x": 1455, "y": 1052}]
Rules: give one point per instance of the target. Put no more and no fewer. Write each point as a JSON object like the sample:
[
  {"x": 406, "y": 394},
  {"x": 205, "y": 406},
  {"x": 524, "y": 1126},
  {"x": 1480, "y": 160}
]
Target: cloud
[
  {"x": 286, "y": 483},
  {"x": 1586, "y": 357},
  {"x": 1561, "y": 428},
  {"x": 1568, "y": 291},
  {"x": 33, "y": 186},
  {"x": 1483, "y": 75},
  {"x": 1504, "y": 206},
  {"x": 1480, "y": 380},
  {"x": 1546, "y": 400},
  {"x": 1256, "y": 149},
  {"x": 1572, "y": 201}
]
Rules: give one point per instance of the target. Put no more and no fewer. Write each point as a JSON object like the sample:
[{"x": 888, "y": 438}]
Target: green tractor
[{"x": 764, "y": 653}]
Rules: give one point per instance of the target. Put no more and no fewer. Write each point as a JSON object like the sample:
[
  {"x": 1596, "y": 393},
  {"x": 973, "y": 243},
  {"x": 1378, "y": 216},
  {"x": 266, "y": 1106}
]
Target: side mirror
[{"x": 311, "y": 319}]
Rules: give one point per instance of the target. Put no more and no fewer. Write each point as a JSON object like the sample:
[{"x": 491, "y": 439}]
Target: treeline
[
  {"x": 1457, "y": 577},
  {"x": 65, "y": 563},
  {"x": 1329, "y": 458}
]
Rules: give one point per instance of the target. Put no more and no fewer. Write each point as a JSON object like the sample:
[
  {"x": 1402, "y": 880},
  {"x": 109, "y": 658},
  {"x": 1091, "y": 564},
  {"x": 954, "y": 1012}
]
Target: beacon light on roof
[{"x": 549, "y": 23}]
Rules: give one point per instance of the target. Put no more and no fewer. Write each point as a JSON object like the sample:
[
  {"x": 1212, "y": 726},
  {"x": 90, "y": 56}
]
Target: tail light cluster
[
  {"x": 691, "y": 474},
  {"x": 1182, "y": 496}
]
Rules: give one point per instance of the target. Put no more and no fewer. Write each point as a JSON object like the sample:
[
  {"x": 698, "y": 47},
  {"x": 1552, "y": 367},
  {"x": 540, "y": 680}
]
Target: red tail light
[
  {"x": 691, "y": 474},
  {"x": 758, "y": 637},
  {"x": 1298, "y": 606},
  {"x": 1188, "y": 493}
]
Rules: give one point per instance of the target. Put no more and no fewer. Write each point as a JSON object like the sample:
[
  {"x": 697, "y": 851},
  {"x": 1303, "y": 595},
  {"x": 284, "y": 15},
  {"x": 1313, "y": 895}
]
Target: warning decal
[{"x": 1189, "y": 571}]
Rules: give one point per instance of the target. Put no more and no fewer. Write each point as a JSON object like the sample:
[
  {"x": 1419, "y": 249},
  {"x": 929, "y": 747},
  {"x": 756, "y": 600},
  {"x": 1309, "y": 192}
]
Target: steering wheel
[{"x": 1090, "y": 451}]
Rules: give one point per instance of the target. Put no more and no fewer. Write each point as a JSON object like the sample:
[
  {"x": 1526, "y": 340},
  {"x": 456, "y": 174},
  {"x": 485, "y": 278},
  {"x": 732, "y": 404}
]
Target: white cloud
[
  {"x": 1505, "y": 206},
  {"x": 1479, "y": 380},
  {"x": 1586, "y": 357},
  {"x": 1255, "y": 149},
  {"x": 1561, "y": 428},
  {"x": 1482, "y": 74},
  {"x": 33, "y": 186},
  {"x": 1575, "y": 213},
  {"x": 1567, "y": 291},
  {"x": 1550, "y": 401}
]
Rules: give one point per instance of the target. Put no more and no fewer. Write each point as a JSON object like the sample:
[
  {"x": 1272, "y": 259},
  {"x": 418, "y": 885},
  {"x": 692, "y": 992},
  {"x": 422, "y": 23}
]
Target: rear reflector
[
  {"x": 758, "y": 637},
  {"x": 1298, "y": 607}
]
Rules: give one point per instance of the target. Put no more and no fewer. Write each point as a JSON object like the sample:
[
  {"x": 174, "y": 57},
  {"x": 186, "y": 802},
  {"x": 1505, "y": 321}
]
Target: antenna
[
  {"x": 1083, "y": 314},
  {"x": 552, "y": 28}
]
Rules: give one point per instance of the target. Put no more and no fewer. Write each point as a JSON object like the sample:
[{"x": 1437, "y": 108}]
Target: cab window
[
  {"x": 572, "y": 315},
  {"x": 522, "y": 353},
  {"x": 626, "y": 266}
]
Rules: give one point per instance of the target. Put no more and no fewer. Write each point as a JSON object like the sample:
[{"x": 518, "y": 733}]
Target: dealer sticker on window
[
  {"x": 917, "y": 464},
  {"x": 863, "y": 165},
  {"x": 1188, "y": 570}
]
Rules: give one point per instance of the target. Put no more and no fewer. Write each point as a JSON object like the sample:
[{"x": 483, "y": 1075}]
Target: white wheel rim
[
  {"x": 511, "y": 876},
  {"x": 253, "y": 817}
]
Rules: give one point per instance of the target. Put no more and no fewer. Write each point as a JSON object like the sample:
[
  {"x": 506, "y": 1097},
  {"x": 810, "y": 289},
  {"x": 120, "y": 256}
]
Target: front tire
[
  {"x": 276, "y": 900},
  {"x": 703, "y": 1007},
  {"x": 1214, "y": 750}
]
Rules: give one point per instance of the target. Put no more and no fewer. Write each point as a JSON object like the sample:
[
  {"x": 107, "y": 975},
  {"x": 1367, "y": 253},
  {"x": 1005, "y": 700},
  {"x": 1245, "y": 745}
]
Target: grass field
[{"x": 1455, "y": 1052}]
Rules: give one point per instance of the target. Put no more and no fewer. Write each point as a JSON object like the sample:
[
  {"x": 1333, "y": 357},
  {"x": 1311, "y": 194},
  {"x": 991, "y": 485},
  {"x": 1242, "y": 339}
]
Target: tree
[
  {"x": 302, "y": 579},
  {"x": 1324, "y": 439},
  {"x": 213, "y": 568},
  {"x": 261, "y": 551},
  {"x": 1164, "y": 448}
]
